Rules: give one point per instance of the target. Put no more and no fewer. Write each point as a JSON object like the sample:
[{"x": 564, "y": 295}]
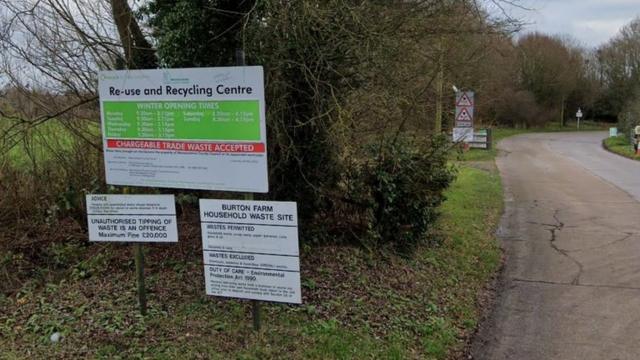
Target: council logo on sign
[
  {"x": 105, "y": 76},
  {"x": 168, "y": 79}
]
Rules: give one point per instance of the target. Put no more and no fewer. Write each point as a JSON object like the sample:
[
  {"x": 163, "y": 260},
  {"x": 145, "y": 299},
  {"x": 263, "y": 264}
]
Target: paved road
[{"x": 571, "y": 233}]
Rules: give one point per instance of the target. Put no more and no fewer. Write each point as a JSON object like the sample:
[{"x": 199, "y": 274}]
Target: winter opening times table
[{"x": 194, "y": 120}]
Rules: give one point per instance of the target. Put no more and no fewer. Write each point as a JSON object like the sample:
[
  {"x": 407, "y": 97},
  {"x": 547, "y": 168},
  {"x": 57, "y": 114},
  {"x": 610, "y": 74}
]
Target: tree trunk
[
  {"x": 138, "y": 52},
  {"x": 439, "y": 91}
]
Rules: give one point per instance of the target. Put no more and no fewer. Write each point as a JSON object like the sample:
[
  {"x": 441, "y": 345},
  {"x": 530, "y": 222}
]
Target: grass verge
[
  {"x": 620, "y": 145},
  {"x": 356, "y": 304}
]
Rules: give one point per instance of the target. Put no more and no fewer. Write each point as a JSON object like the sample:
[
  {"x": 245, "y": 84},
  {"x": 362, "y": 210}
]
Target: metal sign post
[
  {"x": 579, "y": 116},
  {"x": 255, "y": 304},
  {"x": 142, "y": 291}
]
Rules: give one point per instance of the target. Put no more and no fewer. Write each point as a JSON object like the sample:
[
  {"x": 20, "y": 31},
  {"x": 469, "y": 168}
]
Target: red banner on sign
[{"x": 186, "y": 146}]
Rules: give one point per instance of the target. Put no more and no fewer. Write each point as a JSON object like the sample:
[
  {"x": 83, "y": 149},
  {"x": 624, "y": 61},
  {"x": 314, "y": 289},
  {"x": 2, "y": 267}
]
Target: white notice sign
[
  {"x": 250, "y": 249},
  {"x": 196, "y": 128},
  {"x": 462, "y": 134},
  {"x": 132, "y": 218}
]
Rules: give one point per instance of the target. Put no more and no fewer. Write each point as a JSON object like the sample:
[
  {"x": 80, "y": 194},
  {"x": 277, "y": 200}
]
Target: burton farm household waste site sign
[
  {"x": 198, "y": 128},
  {"x": 250, "y": 249}
]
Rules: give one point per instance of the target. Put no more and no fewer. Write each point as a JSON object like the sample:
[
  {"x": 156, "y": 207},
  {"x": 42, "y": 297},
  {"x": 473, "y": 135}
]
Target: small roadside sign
[
  {"x": 132, "y": 218},
  {"x": 462, "y": 134},
  {"x": 464, "y": 109},
  {"x": 578, "y": 116},
  {"x": 250, "y": 249}
]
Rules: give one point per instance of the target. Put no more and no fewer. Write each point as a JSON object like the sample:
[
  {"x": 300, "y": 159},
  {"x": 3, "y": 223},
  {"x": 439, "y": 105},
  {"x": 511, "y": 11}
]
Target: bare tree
[
  {"x": 550, "y": 68},
  {"x": 51, "y": 52}
]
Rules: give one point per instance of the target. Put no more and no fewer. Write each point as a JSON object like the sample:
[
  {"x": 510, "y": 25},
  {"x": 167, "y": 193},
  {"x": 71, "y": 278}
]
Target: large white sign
[
  {"x": 250, "y": 249},
  {"x": 132, "y": 218},
  {"x": 198, "y": 128}
]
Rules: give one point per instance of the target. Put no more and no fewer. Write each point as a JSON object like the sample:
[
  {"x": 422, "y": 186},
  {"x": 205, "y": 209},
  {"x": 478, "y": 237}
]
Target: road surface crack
[
  {"x": 541, "y": 224},
  {"x": 554, "y": 229},
  {"x": 547, "y": 282}
]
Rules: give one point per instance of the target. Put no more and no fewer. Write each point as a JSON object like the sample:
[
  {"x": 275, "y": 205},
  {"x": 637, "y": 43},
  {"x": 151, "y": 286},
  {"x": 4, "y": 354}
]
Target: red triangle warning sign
[
  {"x": 464, "y": 115},
  {"x": 464, "y": 100}
]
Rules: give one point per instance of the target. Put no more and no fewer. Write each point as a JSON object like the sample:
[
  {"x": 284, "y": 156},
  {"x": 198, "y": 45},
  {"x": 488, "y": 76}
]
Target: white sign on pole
[
  {"x": 613, "y": 132},
  {"x": 463, "y": 134},
  {"x": 132, "y": 218},
  {"x": 197, "y": 128},
  {"x": 250, "y": 249},
  {"x": 464, "y": 109}
]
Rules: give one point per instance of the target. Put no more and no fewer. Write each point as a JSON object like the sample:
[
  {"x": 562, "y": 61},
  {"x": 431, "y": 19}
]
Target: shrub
[
  {"x": 520, "y": 109},
  {"x": 629, "y": 118},
  {"x": 398, "y": 190}
]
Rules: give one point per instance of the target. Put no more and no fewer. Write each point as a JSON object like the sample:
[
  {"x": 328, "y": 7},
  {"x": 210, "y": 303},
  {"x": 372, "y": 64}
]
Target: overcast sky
[{"x": 591, "y": 22}]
